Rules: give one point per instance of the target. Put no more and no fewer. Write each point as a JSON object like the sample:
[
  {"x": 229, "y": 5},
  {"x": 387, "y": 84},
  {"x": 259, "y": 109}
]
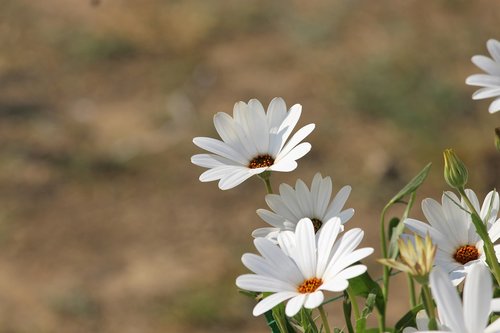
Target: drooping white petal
[
  {"x": 260, "y": 283},
  {"x": 294, "y": 305},
  {"x": 272, "y": 218},
  {"x": 271, "y": 301},
  {"x": 237, "y": 176},
  {"x": 477, "y": 298},
  {"x": 447, "y": 300},
  {"x": 220, "y": 148},
  {"x": 313, "y": 300},
  {"x": 487, "y": 92}
]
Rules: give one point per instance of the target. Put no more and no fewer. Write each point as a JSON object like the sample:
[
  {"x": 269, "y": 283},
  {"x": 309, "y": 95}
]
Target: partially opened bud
[{"x": 455, "y": 172}]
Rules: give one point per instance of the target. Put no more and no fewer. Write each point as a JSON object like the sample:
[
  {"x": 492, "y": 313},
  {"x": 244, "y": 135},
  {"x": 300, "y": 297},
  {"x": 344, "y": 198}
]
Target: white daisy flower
[
  {"x": 253, "y": 141},
  {"x": 303, "y": 266},
  {"x": 471, "y": 316},
  {"x": 491, "y": 80},
  {"x": 292, "y": 205},
  {"x": 452, "y": 231}
]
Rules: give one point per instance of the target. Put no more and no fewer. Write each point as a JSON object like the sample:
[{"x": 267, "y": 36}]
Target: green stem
[
  {"x": 411, "y": 289},
  {"x": 266, "y": 177},
  {"x": 489, "y": 249},
  {"x": 386, "y": 270},
  {"x": 354, "y": 303},
  {"x": 324, "y": 319},
  {"x": 429, "y": 307}
]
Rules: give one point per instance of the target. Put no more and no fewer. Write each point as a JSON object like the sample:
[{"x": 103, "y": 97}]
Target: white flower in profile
[
  {"x": 303, "y": 266},
  {"x": 452, "y": 231},
  {"x": 253, "y": 141},
  {"x": 490, "y": 81},
  {"x": 471, "y": 316},
  {"x": 292, "y": 205}
]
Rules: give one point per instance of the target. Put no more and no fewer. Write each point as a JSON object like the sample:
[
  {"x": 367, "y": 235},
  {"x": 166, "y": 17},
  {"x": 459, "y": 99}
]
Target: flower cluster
[{"x": 305, "y": 252}]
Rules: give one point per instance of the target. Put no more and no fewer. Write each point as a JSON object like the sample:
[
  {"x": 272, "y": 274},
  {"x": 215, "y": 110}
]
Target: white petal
[
  {"x": 351, "y": 272},
  {"x": 257, "y": 126},
  {"x": 220, "y": 148},
  {"x": 228, "y": 131},
  {"x": 263, "y": 267},
  {"x": 210, "y": 161},
  {"x": 456, "y": 221},
  {"x": 275, "y": 202},
  {"x": 486, "y": 64},
  {"x": 289, "y": 197},
  {"x": 494, "y": 327},
  {"x": 338, "y": 202},
  {"x": 304, "y": 198},
  {"x": 327, "y": 236},
  {"x": 477, "y": 298},
  {"x": 295, "y": 154},
  {"x": 437, "y": 237},
  {"x": 314, "y": 299},
  {"x": 271, "y": 301},
  {"x": 495, "y": 305},
  {"x": 217, "y": 173},
  {"x": 321, "y": 190},
  {"x": 289, "y": 123},
  {"x": 236, "y": 177},
  {"x": 272, "y": 218},
  {"x": 294, "y": 305},
  {"x": 276, "y": 113},
  {"x": 494, "y": 106},
  {"x": 269, "y": 233},
  {"x": 494, "y": 49},
  {"x": 335, "y": 284},
  {"x": 447, "y": 300},
  {"x": 483, "y": 80},
  {"x": 347, "y": 260},
  {"x": 306, "y": 244},
  {"x": 278, "y": 259},
  {"x": 491, "y": 205},
  {"x": 486, "y": 93},
  {"x": 284, "y": 165},
  {"x": 260, "y": 283},
  {"x": 295, "y": 140}
]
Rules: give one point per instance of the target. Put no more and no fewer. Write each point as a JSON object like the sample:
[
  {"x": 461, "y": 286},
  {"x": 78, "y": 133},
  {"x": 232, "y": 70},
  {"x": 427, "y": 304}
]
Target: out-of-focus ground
[{"x": 104, "y": 226}]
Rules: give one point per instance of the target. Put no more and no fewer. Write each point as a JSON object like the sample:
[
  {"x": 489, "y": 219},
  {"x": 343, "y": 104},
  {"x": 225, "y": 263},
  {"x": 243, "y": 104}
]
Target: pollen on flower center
[
  {"x": 310, "y": 285},
  {"x": 261, "y": 161},
  {"x": 466, "y": 253},
  {"x": 316, "y": 224}
]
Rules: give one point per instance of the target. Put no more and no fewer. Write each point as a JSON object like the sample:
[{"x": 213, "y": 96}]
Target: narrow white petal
[
  {"x": 286, "y": 241},
  {"x": 210, "y": 160},
  {"x": 276, "y": 113},
  {"x": 304, "y": 198},
  {"x": 322, "y": 192},
  {"x": 281, "y": 261},
  {"x": 260, "y": 283},
  {"x": 437, "y": 237},
  {"x": 486, "y": 64},
  {"x": 494, "y": 106},
  {"x": 289, "y": 123},
  {"x": 217, "y": 173},
  {"x": 335, "y": 284},
  {"x": 271, "y": 301},
  {"x": 456, "y": 221},
  {"x": 486, "y": 93},
  {"x": 235, "y": 178},
  {"x": 347, "y": 260},
  {"x": 220, "y": 148},
  {"x": 272, "y": 218},
  {"x": 477, "y": 298},
  {"x": 338, "y": 202},
  {"x": 269, "y": 233},
  {"x": 294, "y": 305},
  {"x": 295, "y": 154},
  {"x": 483, "y": 80},
  {"x": 276, "y": 203},
  {"x": 263, "y": 267},
  {"x": 447, "y": 300},
  {"x": 494, "y": 231},
  {"x": 228, "y": 131},
  {"x": 289, "y": 197},
  {"x": 314, "y": 299},
  {"x": 494, "y": 49},
  {"x": 327, "y": 236},
  {"x": 257, "y": 124},
  {"x": 490, "y": 207},
  {"x": 284, "y": 165},
  {"x": 346, "y": 215},
  {"x": 295, "y": 140},
  {"x": 351, "y": 272},
  {"x": 306, "y": 244}
]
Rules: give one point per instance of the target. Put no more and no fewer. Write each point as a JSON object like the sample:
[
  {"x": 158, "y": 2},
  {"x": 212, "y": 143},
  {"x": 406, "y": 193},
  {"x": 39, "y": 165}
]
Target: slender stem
[
  {"x": 429, "y": 306},
  {"x": 266, "y": 177},
  {"x": 489, "y": 250},
  {"x": 354, "y": 303},
  {"x": 386, "y": 270},
  {"x": 324, "y": 319},
  {"x": 411, "y": 289}
]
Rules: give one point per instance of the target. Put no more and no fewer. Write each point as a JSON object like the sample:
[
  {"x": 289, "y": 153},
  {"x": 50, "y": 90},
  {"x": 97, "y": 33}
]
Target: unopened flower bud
[{"x": 455, "y": 172}]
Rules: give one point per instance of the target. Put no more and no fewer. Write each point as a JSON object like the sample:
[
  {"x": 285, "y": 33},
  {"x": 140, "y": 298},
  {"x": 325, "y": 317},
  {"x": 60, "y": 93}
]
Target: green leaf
[
  {"x": 363, "y": 285},
  {"x": 408, "y": 320},
  {"x": 412, "y": 185}
]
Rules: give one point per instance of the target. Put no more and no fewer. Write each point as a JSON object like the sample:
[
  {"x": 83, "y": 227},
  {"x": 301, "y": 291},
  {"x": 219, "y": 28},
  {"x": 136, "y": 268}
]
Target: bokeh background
[{"x": 104, "y": 226}]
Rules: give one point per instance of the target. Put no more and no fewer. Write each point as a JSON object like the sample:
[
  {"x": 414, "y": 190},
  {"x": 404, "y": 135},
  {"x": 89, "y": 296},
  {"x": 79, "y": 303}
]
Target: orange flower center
[
  {"x": 261, "y": 161},
  {"x": 466, "y": 253},
  {"x": 316, "y": 224},
  {"x": 309, "y": 285}
]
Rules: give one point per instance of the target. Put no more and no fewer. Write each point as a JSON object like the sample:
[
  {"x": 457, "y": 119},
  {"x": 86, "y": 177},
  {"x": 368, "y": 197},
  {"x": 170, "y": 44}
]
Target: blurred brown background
[{"x": 104, "y": 226}]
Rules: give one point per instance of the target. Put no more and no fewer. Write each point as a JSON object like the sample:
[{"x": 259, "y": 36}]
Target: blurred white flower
[
  {"x": 253, "y": 141},
  {"x": 471, "y": 316},
  {"x": 303, "y": 266},
  {"x": 452, "y": 231},
  {"x": 291, "y": 205},
  {"x": 491, "y": 80}
]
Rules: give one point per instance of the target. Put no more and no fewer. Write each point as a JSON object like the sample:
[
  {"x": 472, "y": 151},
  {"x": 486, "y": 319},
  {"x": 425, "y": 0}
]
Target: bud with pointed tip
[{"x": 455, "y": 171}]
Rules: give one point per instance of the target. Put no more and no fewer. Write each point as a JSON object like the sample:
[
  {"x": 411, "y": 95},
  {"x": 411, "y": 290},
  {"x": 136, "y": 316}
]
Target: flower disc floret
[
  {"x": 310, "y": 285},
  {"x": 466, "y": 253}
]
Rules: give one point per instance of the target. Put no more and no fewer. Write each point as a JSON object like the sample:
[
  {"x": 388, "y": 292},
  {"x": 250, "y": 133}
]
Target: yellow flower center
[
  {"x": 316, "y": 224},
  {"x": 310, "y": 285},
  {"x": 466, "y": 253},
  {"x": 261, "y": 161}
]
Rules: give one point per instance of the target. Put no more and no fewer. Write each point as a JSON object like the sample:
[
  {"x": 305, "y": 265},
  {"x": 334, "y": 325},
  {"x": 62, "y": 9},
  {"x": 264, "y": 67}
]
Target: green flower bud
[
  {"x": 455, "y": 172},
  {"x": 497, "y": 138}
]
